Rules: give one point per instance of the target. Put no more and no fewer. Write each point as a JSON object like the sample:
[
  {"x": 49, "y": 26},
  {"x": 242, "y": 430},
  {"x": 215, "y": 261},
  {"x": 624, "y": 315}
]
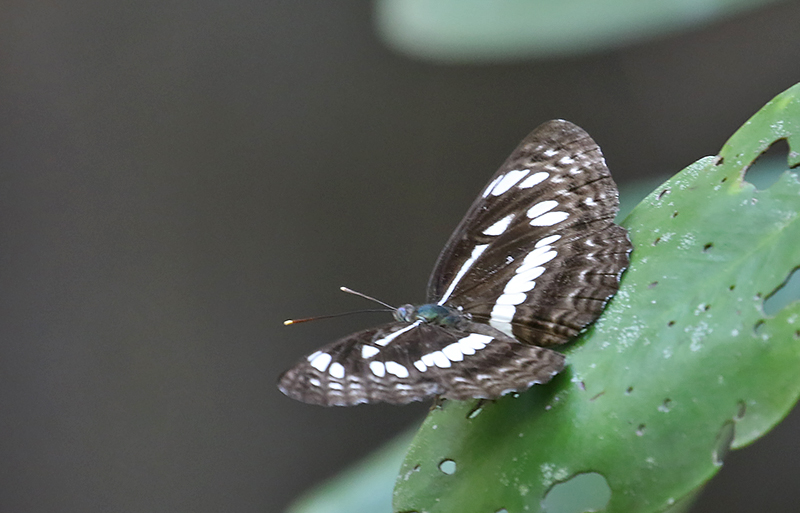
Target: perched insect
[{"x": 532, "y": 263}]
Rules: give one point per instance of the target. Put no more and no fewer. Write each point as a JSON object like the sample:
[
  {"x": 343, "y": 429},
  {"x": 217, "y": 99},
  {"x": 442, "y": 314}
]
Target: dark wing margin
[
  {"x": 537, "y": 256},
  {"x": 418, "y": 362}
]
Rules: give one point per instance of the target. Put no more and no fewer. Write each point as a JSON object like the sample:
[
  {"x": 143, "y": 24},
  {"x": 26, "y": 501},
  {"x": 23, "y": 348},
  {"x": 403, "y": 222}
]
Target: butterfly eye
[{"x": 405, "y": 313}]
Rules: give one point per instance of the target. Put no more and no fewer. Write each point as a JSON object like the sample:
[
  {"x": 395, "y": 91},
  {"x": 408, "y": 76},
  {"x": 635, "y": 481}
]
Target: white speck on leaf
[
  {"x": 687, "y": 241},
  {"x": 697, "y": 334},
  {"x": 551, "y": 474}
]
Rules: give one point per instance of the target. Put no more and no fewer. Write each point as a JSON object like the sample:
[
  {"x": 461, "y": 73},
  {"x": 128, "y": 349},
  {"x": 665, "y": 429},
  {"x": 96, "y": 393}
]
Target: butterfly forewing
[
  {"x": 537, "y": 255},
  {"x": 399, "y": 363}
]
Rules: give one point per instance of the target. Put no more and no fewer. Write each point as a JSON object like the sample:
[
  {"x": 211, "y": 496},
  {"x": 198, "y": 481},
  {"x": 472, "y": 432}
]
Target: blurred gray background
[{"x": 177, "y": 178}]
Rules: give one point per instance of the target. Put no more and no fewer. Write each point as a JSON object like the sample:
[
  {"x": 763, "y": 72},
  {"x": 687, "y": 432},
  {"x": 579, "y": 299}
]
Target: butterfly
[{"x": 533, "y": 262}]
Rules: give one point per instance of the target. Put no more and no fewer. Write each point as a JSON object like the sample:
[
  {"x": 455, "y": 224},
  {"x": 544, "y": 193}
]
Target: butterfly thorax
[{"x": 430, "y": 313}]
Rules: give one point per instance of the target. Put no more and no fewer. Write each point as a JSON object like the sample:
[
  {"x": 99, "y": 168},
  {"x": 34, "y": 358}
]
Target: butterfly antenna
[
  {"x": 359, "y": 294},
  {"x": 289, "y": 322}
]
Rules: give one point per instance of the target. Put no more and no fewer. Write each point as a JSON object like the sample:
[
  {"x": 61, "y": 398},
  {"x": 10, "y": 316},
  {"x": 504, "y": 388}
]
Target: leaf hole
[
  {"x": 663, "y": 193},
  {"x": 797, "y": 334},
  {"x": 652, "y": 285},
  {"x": 707, "y": 247},
  {"x": 719, "y": 162},
  {"x": 640, "y": 430},
  {"x": 732, "y": 287},
  {"x": 666, "y": 406},
  {"x": 724, "y": 441},
  {"x": 658, "y": 239},
  {"x": 582, "y": 492},
  {"x": 581, "y": 385},
  {"x": 629, "y": 390},
  {"x": 785, "y": 293},
  {"x": 767, "y": 168},
  {"x": 742, "y": 409},
  {"x": 448, "y": 467},
  {"x": 671, "y": 323},
  {"x": 675, "y": 214},
  {"x": 706, "y": 307},
  {"x": 758, "y": 326}
]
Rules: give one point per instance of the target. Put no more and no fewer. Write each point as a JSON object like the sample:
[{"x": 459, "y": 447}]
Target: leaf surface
[{"x": 683, "y": 365}]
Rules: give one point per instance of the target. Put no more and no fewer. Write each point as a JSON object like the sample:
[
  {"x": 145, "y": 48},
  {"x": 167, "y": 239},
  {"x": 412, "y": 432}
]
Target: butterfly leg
[{"x": 438, "y": 402}]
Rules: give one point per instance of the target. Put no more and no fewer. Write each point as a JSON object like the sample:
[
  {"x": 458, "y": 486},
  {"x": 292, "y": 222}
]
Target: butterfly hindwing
[
  {"x": 403, "y": 362},
  {"x": 537, "y": 255}
]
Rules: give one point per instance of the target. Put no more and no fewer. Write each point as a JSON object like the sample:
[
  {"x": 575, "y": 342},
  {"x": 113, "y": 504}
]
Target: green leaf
[
  {"x": 683, "y": 365},
  {"x": 480, "y": 31}
]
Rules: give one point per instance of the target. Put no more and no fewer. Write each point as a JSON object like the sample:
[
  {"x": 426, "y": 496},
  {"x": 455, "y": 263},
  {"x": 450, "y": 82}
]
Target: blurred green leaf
[
  {"x": 477, "y": 30},
  {"x": 683, "y": 365},
  {"x": 364, "y": 488}
]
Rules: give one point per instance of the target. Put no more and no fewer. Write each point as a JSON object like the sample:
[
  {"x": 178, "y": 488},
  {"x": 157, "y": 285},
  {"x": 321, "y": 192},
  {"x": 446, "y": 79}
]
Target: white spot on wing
[
  {"x": 549, "y": 219},
  {"x": 453, "y": 352},
  {"x": 321, "y": 361},
  {"x": 476, "y": 340},
  {"x": 466, "y": 349},
  {"x": 440, "y": 360},
  {"x": 420, "y": 366},
  {"x": 541, "y": 207},
  {"x": 335, "y": 386},
  {"x": 396, "y": 369},
  {"x": 511, "y": 299},
  {"x": 336, "y": 370},
  {"x": 509, "y": 180},
  {"x": 477, "y": 251},
  {"x": 388, "y": 338},
  {"x": 436, "y": 358},
  {"x": 377, "y": 368},
  {"x": 522, "y": 282},
  {"x": 369, "y": 351},
  {"x": 503, "y": 313},
  {"x": 534, "y": 179},
  {"x": 547, "y": 241},
  {"x": 491, "y": 185},
  {"x": 500, "y": 226},
  {"x": 537, "y": 258}
]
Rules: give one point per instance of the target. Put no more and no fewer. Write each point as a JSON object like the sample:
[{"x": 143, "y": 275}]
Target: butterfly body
[{"x": 532, "y": 263}]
